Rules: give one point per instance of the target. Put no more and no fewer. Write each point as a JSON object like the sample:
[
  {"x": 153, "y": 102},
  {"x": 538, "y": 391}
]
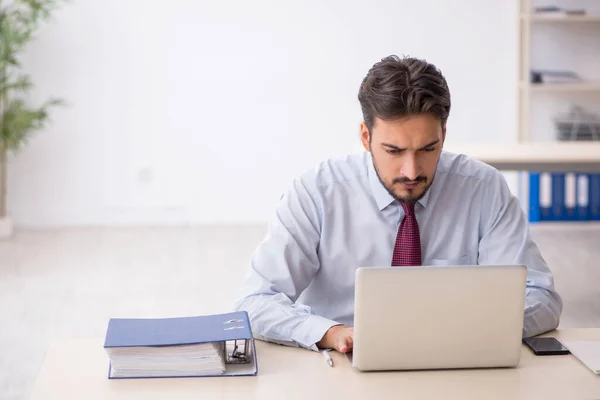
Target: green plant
[{"x": 19, "y": 20}]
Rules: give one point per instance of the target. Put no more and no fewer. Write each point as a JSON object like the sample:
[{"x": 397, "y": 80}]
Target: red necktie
[{"x": 407, "y": 250}]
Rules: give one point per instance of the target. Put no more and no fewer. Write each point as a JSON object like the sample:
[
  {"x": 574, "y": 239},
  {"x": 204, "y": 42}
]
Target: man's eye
[
  {"x": 430, "y": 149},
  {"x": 393, "y": 151}
]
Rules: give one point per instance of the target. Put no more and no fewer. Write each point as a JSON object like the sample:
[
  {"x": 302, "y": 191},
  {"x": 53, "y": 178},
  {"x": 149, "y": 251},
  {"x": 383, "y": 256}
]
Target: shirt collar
[{"x": 382, "y": 197}]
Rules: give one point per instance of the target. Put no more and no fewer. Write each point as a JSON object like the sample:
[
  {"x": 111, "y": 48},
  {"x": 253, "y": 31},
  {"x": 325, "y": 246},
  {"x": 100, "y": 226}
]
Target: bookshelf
[
  {"x": 558, "y": 87},
  {"x": 563, "y": 87},
  {"x": 554, "y": 172},
  {"x": 576, "y": 31},
  {"x": 571, "y": 36}
]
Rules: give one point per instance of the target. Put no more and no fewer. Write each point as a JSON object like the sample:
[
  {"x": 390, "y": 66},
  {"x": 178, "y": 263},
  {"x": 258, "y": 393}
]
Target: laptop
[{"x": 438, "y": 317}]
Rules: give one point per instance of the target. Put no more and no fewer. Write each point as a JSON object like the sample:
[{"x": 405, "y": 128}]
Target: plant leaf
[
  {"x": 18, "y": 22},
  {"x": 20, "y": 122},
  {"x": 21, "y": 84}
]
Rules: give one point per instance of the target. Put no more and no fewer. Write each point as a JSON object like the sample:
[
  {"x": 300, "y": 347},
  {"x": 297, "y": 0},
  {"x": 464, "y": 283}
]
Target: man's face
[{"x": 405, "y": 153}]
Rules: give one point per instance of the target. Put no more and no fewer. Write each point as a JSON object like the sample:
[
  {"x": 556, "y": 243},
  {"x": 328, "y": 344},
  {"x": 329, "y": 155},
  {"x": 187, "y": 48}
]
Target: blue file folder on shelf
[
  {"x": 558, "y": 197},
  {"x": 563, "y": 196},
  {"x": 594, "y": 194},
  {"x": 570, "y": 197},
  {"x": 583, "y": 197},
  {"x": 545, "y": 199},
  {"x": 210, "y": 345},
  {"x": 533, "y": 200}
]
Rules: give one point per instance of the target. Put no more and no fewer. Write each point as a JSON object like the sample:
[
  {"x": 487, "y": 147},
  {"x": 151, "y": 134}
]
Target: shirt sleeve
[
  {"x": 505, "y": 238},
  {"x": 281, "y": 268}
]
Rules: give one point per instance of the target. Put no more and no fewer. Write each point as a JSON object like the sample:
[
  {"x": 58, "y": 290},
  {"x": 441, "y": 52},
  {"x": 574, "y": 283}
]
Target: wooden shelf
[
  {"x": 561, "y": 18},
  {"x": 535, "y": 156},
  {"x": 580, "y": 226},
  {"x": 563, "y": 87}
]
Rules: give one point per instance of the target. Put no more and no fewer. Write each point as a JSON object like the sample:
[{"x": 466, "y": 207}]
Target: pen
[{"x": 328, "y": 358}]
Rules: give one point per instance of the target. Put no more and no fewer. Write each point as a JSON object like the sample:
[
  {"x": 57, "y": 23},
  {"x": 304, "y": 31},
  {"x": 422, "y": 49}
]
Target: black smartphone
[{"x": 545, "y": 346}]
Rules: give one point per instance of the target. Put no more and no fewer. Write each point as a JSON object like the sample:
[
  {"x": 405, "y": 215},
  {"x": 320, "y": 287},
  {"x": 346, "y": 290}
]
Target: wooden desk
[
  {"x": 543, "y": 156},
  {"x": 76, "y": 369}
]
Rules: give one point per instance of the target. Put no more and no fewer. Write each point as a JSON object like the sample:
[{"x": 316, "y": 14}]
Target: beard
[{"x": 411, "y": 197}]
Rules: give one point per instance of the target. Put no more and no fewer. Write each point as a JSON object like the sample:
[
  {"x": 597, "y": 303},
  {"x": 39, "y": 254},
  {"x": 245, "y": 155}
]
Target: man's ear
[{"x": 365, "y": 136}]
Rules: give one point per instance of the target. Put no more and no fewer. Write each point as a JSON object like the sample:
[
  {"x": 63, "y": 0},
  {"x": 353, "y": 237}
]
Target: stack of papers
[
  {"x": 167, "y": 361},
  {"x": 587, "y": 351},
  {"x": 578, "y": 124}
]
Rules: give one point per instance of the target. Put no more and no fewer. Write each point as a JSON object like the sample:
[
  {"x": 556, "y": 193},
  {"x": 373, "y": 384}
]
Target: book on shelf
[
  {"x": 539, "y": 76},
  {"x": 555, "y": 10}
]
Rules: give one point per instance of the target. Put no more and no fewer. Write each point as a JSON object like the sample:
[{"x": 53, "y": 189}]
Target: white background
[{"x": 191, "y": 112}]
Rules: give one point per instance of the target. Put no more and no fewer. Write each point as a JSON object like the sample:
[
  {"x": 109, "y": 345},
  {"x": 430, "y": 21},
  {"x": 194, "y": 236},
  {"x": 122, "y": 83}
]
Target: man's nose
[{"x": 410, "y": 169}]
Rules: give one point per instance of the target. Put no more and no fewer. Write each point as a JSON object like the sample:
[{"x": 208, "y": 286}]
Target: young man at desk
[{"x": 402, "y": 202}]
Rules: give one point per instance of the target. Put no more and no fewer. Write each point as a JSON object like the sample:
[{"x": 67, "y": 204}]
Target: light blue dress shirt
[{"x": 338, "y": 217}]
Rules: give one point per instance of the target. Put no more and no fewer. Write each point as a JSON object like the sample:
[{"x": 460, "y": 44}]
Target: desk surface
[
  {"x": 535, "y": 156},
  {"x": 77, "y": 369}
]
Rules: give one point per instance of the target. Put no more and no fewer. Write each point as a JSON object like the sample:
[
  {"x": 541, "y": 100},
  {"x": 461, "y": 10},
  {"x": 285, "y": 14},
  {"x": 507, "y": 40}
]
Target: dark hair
[{"x": 397, "y": 87}]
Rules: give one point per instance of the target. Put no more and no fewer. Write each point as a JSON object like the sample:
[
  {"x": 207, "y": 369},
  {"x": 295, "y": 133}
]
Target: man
[{"x": 402, "y": 202}]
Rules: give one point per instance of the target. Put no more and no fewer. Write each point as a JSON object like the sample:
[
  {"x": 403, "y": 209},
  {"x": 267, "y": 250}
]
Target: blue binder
[
  {"x": 229, "y": 332},
  {"x": 535, "y": 212},
  {"x": 570, "y": 197},
  {"x": 583, "y": 197},
  {"x": 546, "y": 198},
  {"x": 558, "y": 197},
  {"x": 594, "y": 213}
]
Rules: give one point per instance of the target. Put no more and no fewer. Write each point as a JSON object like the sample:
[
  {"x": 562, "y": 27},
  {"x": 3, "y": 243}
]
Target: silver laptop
[{"x": 438, "y": 317}]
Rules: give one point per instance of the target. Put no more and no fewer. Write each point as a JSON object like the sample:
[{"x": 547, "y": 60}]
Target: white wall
[{"x": 193, "y": 111}]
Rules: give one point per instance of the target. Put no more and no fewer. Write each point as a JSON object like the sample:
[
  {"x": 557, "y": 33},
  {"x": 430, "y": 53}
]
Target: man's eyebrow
[
  {"x": 400, "y": 148},
  {"x": 392, "y": 146},
  {"x": 430, "y": 144}
]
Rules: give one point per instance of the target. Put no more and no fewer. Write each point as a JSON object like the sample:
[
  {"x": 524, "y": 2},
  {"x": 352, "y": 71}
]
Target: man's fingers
[
  {"x": 342, "y": 348},
  {"x": 345, "y": 343},
  {"x": 349, "y": 338},
  {"x": 349, "y": 343}
]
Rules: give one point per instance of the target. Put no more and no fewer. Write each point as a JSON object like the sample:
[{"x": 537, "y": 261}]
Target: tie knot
[{"x": 409, "y": 208}]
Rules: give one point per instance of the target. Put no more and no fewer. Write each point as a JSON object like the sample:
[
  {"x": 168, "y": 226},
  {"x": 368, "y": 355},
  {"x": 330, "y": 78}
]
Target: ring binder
[
  {"x": 237, "y": 355},
  {"x": 210, "y": 345}
]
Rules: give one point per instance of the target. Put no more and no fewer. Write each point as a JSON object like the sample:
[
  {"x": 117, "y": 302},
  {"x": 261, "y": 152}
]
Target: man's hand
[{"x": 339, "y": 337}]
